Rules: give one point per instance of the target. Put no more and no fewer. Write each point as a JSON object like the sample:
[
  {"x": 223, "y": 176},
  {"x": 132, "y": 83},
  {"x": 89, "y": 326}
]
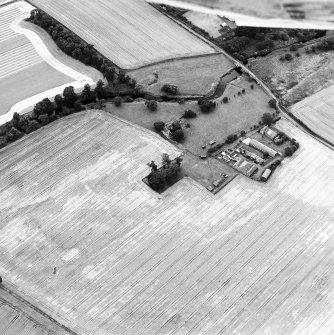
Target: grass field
[
  {"x": 241, "y": 113},
  {"x": 208, "y": 22},
  {"x": 254, "y": 259},
  {"x": 193, "y": 76},
  {"x": 297, "y": 79},
  {"x": 129, "y": 33},
  {"x": 317, "y": 112},
  {"x": 23, "y": 71}
]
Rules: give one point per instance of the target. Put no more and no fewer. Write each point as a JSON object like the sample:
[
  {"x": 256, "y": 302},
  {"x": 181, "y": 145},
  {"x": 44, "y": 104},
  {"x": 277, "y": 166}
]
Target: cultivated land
[
  {"x": 297, "y": 79},
  {"x": 20, "y": 63},
  {"x": 32, "y": 69},
  {"x": 193, "y": 76},
  {"x": 255, "y": 258},
  {"x": 19, "y": 318},
  {"x": 129, "y": 33},
  {"x": 317, "y": 112}
]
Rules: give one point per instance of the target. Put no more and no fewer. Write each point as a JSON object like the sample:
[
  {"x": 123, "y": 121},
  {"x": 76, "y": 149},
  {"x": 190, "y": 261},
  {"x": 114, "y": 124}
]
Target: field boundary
[
  {"x": 38, "y": 310},
  {"x": 174, "y": 59}
]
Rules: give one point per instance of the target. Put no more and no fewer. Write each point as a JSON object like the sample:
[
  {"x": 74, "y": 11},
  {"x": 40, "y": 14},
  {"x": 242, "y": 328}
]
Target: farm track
[{"x": 131, "y": 262}]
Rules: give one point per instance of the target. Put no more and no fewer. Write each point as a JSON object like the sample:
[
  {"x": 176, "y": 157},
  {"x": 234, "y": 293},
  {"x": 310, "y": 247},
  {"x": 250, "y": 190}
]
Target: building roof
[{"x": 266, "y": 173}]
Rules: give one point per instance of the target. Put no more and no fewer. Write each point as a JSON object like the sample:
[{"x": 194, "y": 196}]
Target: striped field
[
  {"x": 317, "y": 112},
  {"x": 23, "y": 72},
  {"x": 129, "y": 33},
  {"x": 254, "y": 259}
]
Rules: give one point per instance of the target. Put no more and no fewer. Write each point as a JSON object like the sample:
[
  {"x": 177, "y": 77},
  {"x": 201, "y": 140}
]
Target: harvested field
[
  {"x": 256, "y": 258},
  {"x": 193, "y": 76},
  {"x": 208, "y": 22},
  {"x": 317, "y": 112},
  {"x": 129, "y": 33},
  {"x": 28, "y": 69},
  {"x": 19, "y": 318},
  {"x": 297, "y": 79}
]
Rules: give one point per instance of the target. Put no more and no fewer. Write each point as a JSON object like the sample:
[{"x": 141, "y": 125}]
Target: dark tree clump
[
  {"x": 152, "y": 105},
  {"x": 267, "y": 119},
  {"x": 170, "y": 89},
  {"x": 207, "y": 106},
  {"x": 188, "y": 114},
  {"x": 159, "y": 125},
  {"x": 70, "y": 97}
]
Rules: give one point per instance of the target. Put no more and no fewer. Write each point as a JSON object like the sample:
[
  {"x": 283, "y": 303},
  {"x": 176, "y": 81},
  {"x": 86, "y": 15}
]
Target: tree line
[{"x": 74, "y": 46}]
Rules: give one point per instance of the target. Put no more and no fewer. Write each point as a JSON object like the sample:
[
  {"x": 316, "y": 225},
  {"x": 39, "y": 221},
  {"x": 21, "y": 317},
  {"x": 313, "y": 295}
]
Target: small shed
[{"x": 265, "y": 175}]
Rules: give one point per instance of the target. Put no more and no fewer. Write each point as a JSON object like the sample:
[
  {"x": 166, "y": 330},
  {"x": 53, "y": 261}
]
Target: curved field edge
[
  {"x": 80, "y": 79},
  {"x": 131, "y": 261},
  {"x": 122, "y": 34}
]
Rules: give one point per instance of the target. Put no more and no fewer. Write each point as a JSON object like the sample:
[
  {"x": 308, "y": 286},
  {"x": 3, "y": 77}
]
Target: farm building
[
  {"x": 270, "y": 133},
  {"x": 260, "y": 146},
  {"x": 254, "y": 156},
  {"x": 265, "y": 175},
  {"x": 245, "y": 167}
]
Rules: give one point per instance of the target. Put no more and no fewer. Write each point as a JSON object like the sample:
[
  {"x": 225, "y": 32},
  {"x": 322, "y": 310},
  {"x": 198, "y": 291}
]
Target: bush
[
  {"x": 159, "y": 125},
  {"x": 118, "y": 101},
  {"x": 32, "y": 126},
  {"x": 225, "y": 100},
  {"x": 288, "y": 151},
  {"x": 77, "y": 106},
  {"x": 152, "y": 105},
  {"x": 170, "y": 89},
  {"x": 231, "y": 138},
  {"x": 207, "y": 106},
  {"x": 243, "y": 133},
  {"x": 267, "y": 119},
  {"x": 294, "y": 47},
  {"x": 3, "y": 141},
  {"x": 288, "y": 57},
  {"x": 178, "y": 135},
  {"x": 272, "y": 103},
  {"x": 188, "y": 114},
  {"x": 43, "y": 119}
]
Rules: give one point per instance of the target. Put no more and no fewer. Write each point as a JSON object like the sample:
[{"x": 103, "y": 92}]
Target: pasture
[
  {"x": 317, "y": 112},
  {"x": 255, "y": 258},
  {"x": 130, "y": 33},
  {"x": 192, "y": 76},
  {"x": 23, "y": 71},
  {"x": 240, "y": 113}
]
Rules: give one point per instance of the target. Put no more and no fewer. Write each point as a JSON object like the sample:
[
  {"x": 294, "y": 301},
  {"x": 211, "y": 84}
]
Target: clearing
[
  {"x": 317, "y": 112},
  {"x": 30, "y": 72},
  {"x": 129, "y": 33},
  {"x": 296, "y": 79},
  {"x": 192, "y": 76},
  {"x": 208, "y": 22},
  {"x": 255, "y": 258}
]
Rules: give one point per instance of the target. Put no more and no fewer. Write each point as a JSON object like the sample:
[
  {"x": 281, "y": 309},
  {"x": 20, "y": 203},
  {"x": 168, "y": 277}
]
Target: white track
[{"x": 79, "y": 79}]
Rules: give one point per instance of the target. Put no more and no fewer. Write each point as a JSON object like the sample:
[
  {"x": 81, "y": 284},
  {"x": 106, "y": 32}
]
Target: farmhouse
[
  {"x": 270, "y": 133},
  {"x": 260, "y": 146}
]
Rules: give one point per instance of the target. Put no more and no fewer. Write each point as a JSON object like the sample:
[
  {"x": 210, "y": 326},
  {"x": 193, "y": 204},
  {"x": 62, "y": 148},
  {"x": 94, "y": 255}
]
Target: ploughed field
[
  {"x": 317, "y": 112},
  {"x": 19, "y": 318},
  {"x": 129, "y": 33},
  {"x": 255, "y": 258},
  {"x": 23, "y": 72}
]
